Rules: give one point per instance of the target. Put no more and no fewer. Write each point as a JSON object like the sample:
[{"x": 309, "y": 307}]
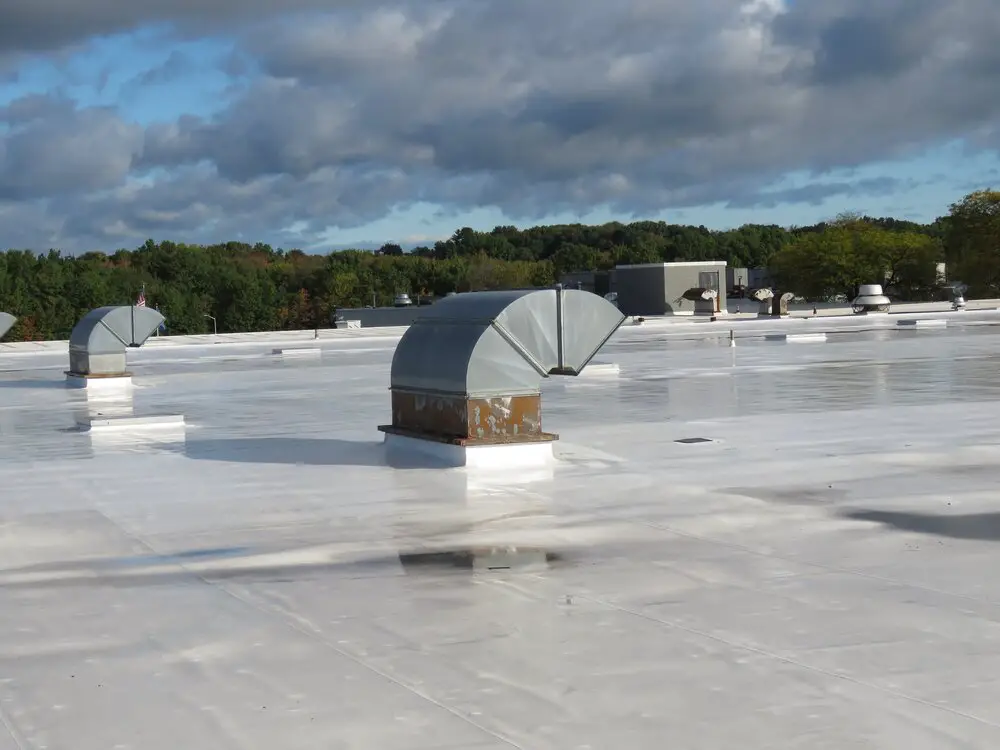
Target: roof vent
[
  {"x": 870, "y": 299},
  {"x": 764, "y": 296},
  {"x": 772, "y": 305},
  {"x": 7, "y": 322},
  {"x": 958, "y": 302},
  {"x": 779, "y": 305},
  {"x": 98, "y": 342},
  {"x": 468, "y": 372},
  {"x": 704, "y": 300}
]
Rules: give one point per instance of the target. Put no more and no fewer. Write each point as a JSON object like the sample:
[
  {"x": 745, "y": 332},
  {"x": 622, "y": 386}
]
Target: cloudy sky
[{"x": 319, "y": 123}]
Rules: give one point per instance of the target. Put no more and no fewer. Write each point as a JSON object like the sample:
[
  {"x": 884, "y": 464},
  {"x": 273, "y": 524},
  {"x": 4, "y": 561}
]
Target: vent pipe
[
  {"x": 99, "y": 341},
  {"x": 7, "y": 322},
  {"x": 469, "y": 370}
]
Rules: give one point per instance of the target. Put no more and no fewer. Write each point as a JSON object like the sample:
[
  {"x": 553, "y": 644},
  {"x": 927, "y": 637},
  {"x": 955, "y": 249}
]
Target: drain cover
[{"x": 688, "y": 441}]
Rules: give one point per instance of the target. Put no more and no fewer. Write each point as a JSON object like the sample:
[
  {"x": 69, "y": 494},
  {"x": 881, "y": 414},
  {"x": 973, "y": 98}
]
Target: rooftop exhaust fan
[{"x": 870, "y": 299}]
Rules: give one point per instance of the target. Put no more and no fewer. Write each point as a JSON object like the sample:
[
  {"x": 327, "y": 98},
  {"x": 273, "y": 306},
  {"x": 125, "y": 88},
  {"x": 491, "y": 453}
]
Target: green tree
[
  {"x": 851, "y": 251},
  {"x": 253, "y": 286},
  {"x": 972, "y": 242}
]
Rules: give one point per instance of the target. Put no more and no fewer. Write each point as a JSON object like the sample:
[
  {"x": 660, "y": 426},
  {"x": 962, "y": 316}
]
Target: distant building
[
  {"x": 737, "y": 281},
  {"x": 598, "y": 282},
  {"x": 759, "y": 278},
  {"x": 377, "y": 317},
  {"x": 742, "y": 281},
  {"x": 657, "y": 288}
]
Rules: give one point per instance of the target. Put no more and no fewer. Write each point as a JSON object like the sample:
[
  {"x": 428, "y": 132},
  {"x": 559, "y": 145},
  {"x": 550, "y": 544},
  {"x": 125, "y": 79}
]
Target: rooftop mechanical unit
[
  {"x": 469, "y": 371},
  {"x": 99, "y": 341}
]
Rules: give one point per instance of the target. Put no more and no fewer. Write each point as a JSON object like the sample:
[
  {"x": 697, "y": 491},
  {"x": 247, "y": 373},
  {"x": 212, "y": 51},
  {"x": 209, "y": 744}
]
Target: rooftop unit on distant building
[{"x": 658, "y": 288}]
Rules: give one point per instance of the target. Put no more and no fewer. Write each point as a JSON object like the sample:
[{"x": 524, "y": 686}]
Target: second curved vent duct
[{"x": 99, "y": 341}]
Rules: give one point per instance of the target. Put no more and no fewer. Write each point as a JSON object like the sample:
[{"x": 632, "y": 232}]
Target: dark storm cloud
[
  {"x": 44, "y": 25},
  {"x": 532, "y": 107},
  {"x": 52, "y": 148},
  {"x": 816, "y": 193}
]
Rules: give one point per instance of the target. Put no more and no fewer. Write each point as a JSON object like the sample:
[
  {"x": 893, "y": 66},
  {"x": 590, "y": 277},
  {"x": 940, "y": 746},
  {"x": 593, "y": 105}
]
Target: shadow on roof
[
  {"x": 61, "y": 384},
  {"x": 972, "y": 526},
  {"x": 172, "y": 570},
  {"x": 301, "y": 451}
]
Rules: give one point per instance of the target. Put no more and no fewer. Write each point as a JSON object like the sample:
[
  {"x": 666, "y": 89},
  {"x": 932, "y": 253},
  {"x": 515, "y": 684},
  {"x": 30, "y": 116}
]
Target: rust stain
[{"x": 455, "y": 416}]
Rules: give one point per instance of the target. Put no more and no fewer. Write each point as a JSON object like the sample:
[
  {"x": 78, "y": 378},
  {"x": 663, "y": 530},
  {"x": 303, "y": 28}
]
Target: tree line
[{"x": 257, "y": 287}]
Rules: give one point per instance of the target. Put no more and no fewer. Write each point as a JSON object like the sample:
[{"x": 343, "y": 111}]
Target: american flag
[{"x": 141, "y": 302}]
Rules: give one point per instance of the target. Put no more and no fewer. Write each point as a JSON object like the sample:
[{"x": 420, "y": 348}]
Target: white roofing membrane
[{"x": 818, "y": 574}]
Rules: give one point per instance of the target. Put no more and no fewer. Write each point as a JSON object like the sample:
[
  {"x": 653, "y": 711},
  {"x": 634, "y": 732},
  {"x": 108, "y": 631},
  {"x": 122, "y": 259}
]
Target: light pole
[{"x": 215, "y": 327}]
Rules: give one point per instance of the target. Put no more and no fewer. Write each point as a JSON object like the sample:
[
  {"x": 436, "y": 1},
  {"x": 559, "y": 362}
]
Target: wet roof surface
[{"x": 816, "y": 572}]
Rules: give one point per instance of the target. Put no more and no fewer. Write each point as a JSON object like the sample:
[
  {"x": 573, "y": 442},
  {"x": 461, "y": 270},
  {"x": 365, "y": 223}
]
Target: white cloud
[{"x": 533, "y": 108}]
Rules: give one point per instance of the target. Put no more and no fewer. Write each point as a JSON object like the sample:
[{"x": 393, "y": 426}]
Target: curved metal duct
[
  {"x": 98, "y": 342},
  {"x": 779, "y": 305},
  {"x": 704, "y": 300},
  {"x": 471, "y": 366},
  {"x": 7, "y": 322},
  {"x": 764, "y": 296}
]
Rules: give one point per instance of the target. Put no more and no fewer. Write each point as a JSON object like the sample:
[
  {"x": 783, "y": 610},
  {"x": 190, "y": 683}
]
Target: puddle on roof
[
  {"x": 238, "y": 564},
  {"x": 828, "y": 495},
  {"x": 219, "y": 553},
  {"x": 969, "y": 526}
]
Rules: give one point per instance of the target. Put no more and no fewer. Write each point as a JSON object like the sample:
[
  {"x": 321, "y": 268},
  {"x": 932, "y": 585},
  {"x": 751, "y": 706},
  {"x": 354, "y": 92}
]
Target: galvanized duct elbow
[
  {"x": 7, "y": 322},
  {"x": 471, "y": 367},
  {"x": 704, "y": 300},
  {"x": 99, "y": 341}
]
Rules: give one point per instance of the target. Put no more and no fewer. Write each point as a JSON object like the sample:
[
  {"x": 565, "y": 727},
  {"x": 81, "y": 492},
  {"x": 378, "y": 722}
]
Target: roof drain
[
  {"x": 7, "y": 322},
  {"x": 99, "y": 341},
  {"x": 467, "y": 374}
]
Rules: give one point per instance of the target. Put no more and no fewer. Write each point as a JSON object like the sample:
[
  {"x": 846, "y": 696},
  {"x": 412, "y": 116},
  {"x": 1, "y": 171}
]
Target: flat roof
[
  {"x": 678, "y": 264},
  {"x": 766, "y": 545}
]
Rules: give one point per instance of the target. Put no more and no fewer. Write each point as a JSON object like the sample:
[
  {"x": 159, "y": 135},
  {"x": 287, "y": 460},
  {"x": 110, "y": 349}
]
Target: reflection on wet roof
[{"x": 760, "y": 546}]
